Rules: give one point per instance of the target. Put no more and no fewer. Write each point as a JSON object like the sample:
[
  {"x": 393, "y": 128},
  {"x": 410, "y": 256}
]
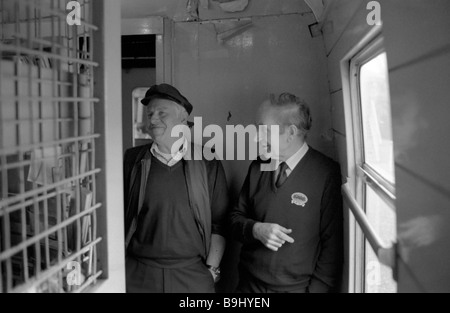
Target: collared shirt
[
  {"x": 169, "y": 159},
  {"x": 294, "y": 160}
]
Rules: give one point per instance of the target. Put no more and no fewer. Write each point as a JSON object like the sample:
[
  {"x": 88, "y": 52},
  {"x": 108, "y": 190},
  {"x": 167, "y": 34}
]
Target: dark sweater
[
  {"x": 315, "y": 259},
  {"x": 217, "y": 187},
  {"x": 166, "y": 233}
]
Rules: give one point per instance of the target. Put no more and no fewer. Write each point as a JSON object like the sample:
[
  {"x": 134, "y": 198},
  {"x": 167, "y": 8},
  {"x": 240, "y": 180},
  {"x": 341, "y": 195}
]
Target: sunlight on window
[
  {"x": 375, "y": 155},
  {"x": 376, "y": 117},
  {"x": 379, "y": 278}
]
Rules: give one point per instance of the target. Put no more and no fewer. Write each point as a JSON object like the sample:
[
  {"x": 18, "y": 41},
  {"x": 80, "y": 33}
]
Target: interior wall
[
  {"x": 418, "y": 47},
  {"x": 132, "y": 79},
  {"x": 226, "y": 82}
]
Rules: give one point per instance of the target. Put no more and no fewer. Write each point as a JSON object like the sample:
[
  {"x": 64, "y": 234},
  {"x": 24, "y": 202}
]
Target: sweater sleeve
[
  {"x": 127, "y": 169},
  {"x": 326, "y": 276},
  {"x": 218, "y": 189},
  {"x": 126, "y": 176},
  {"x": 240, "y": 218}
]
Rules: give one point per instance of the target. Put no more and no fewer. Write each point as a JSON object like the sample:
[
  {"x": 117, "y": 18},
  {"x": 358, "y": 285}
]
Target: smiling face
[{"x": 162, "y": 116}]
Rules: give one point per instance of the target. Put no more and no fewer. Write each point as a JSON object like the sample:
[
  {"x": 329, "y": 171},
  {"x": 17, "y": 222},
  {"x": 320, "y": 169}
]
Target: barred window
[{"x": 48, "y": 196}]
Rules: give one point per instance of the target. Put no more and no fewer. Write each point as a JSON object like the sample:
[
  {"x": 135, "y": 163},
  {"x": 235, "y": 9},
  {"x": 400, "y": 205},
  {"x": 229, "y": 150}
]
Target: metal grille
[{"x": 48, "y": 204}]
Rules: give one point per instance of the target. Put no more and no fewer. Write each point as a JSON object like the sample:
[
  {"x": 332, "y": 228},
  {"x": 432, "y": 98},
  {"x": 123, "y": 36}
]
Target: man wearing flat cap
[{"x": 176, "y": 205}]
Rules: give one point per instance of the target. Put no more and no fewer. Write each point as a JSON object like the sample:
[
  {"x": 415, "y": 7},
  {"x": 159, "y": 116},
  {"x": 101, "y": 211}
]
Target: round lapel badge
[{"x": 299, "y": 199}]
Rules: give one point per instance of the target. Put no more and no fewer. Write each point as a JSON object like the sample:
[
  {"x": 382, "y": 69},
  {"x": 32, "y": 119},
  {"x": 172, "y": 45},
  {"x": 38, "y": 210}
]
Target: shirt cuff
[{"x": 218, "y": 230}]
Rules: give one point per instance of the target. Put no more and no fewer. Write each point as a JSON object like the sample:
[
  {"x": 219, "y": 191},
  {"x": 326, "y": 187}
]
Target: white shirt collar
[
  {"x": 170, "y": 159},
  {"x": 294, "y": 160}
]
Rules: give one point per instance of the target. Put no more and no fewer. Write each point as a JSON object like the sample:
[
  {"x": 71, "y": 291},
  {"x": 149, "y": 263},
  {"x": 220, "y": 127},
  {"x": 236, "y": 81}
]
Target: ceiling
[{"x": 176, "y": 9}]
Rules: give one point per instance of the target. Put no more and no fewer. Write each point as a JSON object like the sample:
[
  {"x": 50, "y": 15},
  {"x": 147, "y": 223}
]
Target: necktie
[{"x": 282, "y": 175}]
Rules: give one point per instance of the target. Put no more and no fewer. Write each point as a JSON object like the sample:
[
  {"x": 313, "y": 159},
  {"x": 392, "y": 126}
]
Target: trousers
[{"x": 145, "y": 278}]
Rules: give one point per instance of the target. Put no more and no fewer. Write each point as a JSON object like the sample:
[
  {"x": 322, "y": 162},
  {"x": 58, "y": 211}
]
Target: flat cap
[{"x": 166, "y": 91}]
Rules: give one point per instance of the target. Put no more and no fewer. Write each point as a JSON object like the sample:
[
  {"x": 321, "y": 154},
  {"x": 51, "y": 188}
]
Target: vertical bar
[
  {"x": 63, "y": 128},
  {"x": 33, "y": 126},
  {"x": 7, "y": 244},
  {"x": 77, "y": 145},
  {"x": 41, "y": 139},
  {"x": 2, "y": 22},
  {"x": 57, "y": 136},
  {"x": 21, "y": 157},
  {"x": 3, "y": 161},
  {"x": 93, "y": 229},
  {"x": 84, "y": 145},
  {"x": 24, "y": 255},
  {"x": 35, "y": 140},
  {"x": 43, "y": 128},
  {"x": 65, "y": 213},
  {"x": 94, "y": 237},
  {"x": 65, "y": 41},
  {"x": 1, "y": 273},
  {"x": 24, "y": 238},
  {"x": 93, "y": 148},
  {"x": 4, "y": 180},
  {"x": 37, "y": 227}
]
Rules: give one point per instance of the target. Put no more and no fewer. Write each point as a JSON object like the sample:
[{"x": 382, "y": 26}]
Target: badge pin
[{"x": 299, "y": 199}]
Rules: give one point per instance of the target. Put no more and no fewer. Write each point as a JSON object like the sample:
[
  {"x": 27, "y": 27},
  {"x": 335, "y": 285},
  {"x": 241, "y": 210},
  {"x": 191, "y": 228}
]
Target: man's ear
[
  {"x": 293, "y": 131},
  {"x": 184, "y": 117}
]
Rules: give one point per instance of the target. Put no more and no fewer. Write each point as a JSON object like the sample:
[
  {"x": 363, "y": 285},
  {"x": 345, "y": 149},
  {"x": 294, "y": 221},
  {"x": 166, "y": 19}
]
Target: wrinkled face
[
  {"x": 162, "y": 116},
  {"x": 272, "y": 142}
]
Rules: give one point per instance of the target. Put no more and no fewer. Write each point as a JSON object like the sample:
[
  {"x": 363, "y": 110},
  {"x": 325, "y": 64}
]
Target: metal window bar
[
  {"x": 385, "y": 253},
  {"x": 381, "y": 186},
  {"x": 48, "y": 203}
]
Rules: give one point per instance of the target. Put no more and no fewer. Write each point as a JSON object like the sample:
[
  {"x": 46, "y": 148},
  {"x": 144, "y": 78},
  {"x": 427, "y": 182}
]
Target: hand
[
  {"x": 215, "y": 272},
  {"x": 273, "y": 236}
]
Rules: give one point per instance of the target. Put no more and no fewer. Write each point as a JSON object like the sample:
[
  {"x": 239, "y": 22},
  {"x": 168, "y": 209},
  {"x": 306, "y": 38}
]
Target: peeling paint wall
[{"x": 176, "y": 9}]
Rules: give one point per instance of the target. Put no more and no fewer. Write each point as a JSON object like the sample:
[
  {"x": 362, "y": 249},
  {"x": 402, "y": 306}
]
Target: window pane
[
  {"x": 379, "y": 277},
  {"x": 376, "y": 117}
]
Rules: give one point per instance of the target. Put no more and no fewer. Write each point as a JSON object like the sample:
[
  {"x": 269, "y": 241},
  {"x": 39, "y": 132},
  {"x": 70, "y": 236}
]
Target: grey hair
[
  {"x": 181, "y": 111},
  {"x": 294, "y": 111}
]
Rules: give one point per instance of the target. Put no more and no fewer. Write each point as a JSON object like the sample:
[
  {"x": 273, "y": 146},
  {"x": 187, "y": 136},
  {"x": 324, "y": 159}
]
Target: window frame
[
  {"x": 384, "y": 188},
  {"x": 360, "y": 173}
]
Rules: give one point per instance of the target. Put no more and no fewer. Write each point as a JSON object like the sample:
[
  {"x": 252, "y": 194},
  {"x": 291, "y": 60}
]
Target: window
[
  {"x": 138, "y": 51},
  {"x": 376, "y": 116},
  {"x": 374, "y": 188},
  {"x": 48, "y": 171},
  {"x": 141, "y": 135}
]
